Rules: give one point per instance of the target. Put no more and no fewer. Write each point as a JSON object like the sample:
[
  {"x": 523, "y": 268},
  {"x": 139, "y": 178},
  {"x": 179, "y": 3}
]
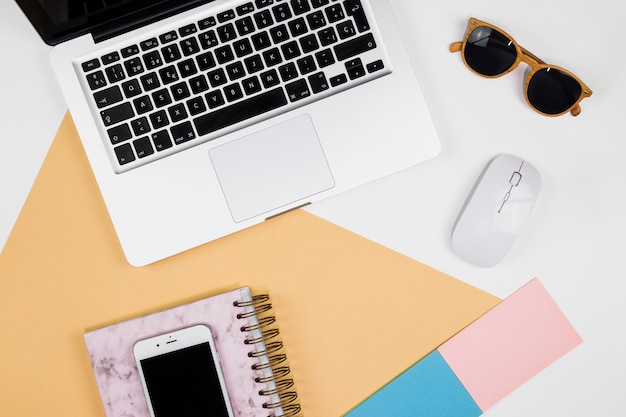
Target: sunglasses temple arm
[{"x": 456, "y": 46}]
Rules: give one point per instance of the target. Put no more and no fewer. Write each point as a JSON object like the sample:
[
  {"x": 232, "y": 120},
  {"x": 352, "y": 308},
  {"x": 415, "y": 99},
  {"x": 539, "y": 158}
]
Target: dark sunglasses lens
[
  {"x": 552, "y": 91},
  {"x": 489, "y": 52}
]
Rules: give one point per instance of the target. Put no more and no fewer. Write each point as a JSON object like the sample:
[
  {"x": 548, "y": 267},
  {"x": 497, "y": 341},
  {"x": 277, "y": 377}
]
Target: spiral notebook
[{"x": 254, "y": 367}]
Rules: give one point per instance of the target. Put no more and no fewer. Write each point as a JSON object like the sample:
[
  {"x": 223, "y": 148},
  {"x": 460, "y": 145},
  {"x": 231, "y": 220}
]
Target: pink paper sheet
[{"x": 508, "y": 345}]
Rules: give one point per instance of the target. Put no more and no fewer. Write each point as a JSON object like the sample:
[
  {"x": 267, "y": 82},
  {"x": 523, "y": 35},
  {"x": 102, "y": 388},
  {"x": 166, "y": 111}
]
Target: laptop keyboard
[{"x": 182, "y": 87}]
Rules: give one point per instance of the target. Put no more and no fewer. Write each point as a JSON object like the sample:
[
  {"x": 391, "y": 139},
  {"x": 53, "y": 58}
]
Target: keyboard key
[
  {"x": 297, "y": 27},
  {"x": 182, "y": 133},
  {"x": 279, "y": 33},
  {"x": 244, "y": 9},
  {"x": 149, "y": 44},
  {"x": 143, "y": 147},
  {"x": 261, "y": 41},
  {"x": 150, "y": 81},
  {"x": 196, "y": 106},
  {"x": 242, "y": 47},
  {"x": 171, "y": 53},
  {"x": 108, "y": 96},
  {"x": 227, "y": 32},
  {"x": 115, "y": 73},
  {"x": 238, "y": 112},
  {"x": 152, "y": 60},
  {"x": 189, "y": 46},
  {"x": 134, "y": 66},
  {"x": 142, "y": 104},
  {"x": 140, "y": 126},
  {"x": 224, "y": 54},
  {"x": 198, "y": 84},
  {"x": 346, "y": 29},
  {"x": 288, "y": 72},
  {"x": 117, "y": 114},
  {"x": 235, "y": 71},
  {"x": 217, "y": 77},
  {"x": 263, "y": 19},
  {"x": 96, "y": 80},
  {"x": 355, "y": 46},
  {"x": 291, "y": 50},
  {"x": 355, "y": 68},
  {"x": 254, "y": 64},
  {"x": 233, "y": 92},
  {"x": 375, "y": 66},
  {"x": 207, "y": 23},
  {"x": 110, "y": 58},
  {"x": 187, "y": 30},
  {"x": 263, "y": 3},
  {"x": 319, "y": 3},
  {"x": 338, "y": 80},
  {"x": 309, "y": 43},
  {"x": 208, "y": 39},
  {"x": 251, "y": 85},
  {"x": 130, "y": 51},
  {"x": 161, "y": 140},
  {"x": 215, "y": 99},
  {"x": 131, "y": 88},
  {"x": 187, "y": 68},
  {"x": 168, "y": 37},
  {"x": 119, "y": 134},
  {"x": 306, "y": 64},
  {"x": 205, "y": 61},
  {"x": 272, "y": 57},
  {"x": 159, "y": 119},
  {"x": 168, "y": 74},
  {"x": 354, "y": 8},
  {"x": 327, "y": 36},
  {"x": 161, "y": 98},
  {"x": 318, "y": 82},
  {"x": 297, "y": 90},
  {"x": 324, "y": 58},
  {"x": 281, "y": 12},
  {"x": 316, "y": 20},
  {"x": 91, "y": 65},
  {"x": 244, "y": 26},
  {"x": 270, "y": 78},
  {"x": 300, "y": 6},
  {"x": 225, "y": 16},
  {"x": 180, "y": 91},
  {"x": 177, "y": 112},
  {"x": 124, "y": 154},
  {"x": 334, "y": 13}
]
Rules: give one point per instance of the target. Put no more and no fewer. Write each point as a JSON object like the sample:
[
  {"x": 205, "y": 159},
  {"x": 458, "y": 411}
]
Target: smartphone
[{"x": 181, "y": 374}]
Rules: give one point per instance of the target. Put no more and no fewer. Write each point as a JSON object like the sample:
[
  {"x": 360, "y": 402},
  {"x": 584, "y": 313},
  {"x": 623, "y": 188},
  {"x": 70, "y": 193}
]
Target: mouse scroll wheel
[{"x": 515, "y": 178}]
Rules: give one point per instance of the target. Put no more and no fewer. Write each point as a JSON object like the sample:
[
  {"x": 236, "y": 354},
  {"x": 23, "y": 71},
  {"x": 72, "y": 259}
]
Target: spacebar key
[{"x": 241, "y": 111}]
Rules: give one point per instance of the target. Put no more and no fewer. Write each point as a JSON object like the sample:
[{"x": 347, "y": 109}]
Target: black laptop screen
[{"x": 60, "y": 20}]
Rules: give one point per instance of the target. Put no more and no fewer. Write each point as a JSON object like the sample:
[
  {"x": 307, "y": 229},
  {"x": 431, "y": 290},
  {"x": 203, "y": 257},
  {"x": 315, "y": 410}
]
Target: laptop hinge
[{"x": 134, "y": 20}]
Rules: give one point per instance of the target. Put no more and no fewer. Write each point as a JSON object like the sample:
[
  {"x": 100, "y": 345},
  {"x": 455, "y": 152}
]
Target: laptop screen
[{"x": 59, "y": 20}]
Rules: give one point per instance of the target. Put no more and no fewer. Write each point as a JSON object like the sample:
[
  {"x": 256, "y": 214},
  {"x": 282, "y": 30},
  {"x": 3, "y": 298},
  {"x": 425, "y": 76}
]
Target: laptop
[{"x": 203, "y": 118}]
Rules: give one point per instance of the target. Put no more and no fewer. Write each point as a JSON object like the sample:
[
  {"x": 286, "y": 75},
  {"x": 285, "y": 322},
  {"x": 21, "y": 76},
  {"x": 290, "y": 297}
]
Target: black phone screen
[{"x": 184, "y": 383}]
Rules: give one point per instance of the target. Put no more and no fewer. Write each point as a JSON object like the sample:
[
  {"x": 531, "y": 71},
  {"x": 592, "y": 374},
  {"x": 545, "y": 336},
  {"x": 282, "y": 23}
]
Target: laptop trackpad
[{"x": 272, "y": 168}]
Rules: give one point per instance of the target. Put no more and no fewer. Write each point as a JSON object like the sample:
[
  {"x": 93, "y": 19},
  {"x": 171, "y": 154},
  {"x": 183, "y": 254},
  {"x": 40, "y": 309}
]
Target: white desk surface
[{"x": 575, "y": 241}]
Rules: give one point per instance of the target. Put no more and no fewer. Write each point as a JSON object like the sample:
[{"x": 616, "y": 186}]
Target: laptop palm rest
[{"x": 272, "y": 168}]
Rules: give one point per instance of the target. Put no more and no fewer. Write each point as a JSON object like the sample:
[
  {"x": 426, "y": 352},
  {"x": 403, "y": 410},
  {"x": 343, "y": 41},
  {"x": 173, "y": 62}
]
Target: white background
[{"x": 575, "y": 239}]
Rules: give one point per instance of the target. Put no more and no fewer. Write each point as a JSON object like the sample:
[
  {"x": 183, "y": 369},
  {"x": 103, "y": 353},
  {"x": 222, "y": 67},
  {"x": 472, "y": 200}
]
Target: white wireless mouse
[{"x": 496, "y": 211}]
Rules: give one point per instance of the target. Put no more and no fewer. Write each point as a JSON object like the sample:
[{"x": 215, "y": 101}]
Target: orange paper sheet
[{"x": 353, "y": 314}]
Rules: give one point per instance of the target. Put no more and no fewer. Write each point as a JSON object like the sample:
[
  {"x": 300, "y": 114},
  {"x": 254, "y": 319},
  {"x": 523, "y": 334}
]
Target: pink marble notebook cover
[{"x": 111, "y": 354}]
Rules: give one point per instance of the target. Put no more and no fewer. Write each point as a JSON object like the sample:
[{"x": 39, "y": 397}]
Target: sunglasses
[{"x": 491, "y": 52}]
